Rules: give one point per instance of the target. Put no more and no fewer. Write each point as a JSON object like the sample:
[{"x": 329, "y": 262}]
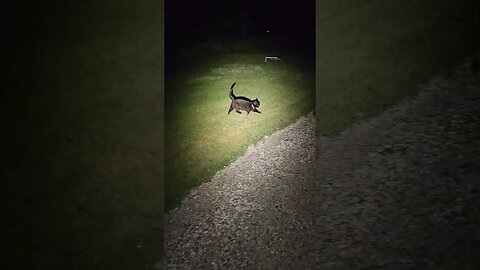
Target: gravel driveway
[
  {"x": 400, "y": 191},
  {"x": 257, "y": 213}
]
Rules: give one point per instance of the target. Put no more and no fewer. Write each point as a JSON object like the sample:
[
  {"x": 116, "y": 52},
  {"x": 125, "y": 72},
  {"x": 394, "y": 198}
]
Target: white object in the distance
[{"x": 272, "y": 58}]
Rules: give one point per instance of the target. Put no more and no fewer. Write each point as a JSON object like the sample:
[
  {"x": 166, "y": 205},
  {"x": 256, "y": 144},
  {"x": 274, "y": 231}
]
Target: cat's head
[{"x": 256, "y": 103}]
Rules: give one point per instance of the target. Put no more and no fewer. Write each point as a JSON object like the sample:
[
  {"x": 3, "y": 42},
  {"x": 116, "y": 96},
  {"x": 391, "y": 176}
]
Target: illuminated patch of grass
[{"x": 202, "y": 138}]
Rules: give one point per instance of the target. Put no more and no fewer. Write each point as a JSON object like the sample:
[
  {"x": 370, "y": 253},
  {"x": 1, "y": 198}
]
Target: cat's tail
[{"x": 232, "y": 96}]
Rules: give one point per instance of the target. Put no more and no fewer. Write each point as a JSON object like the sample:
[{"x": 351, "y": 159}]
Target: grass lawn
[
  {"x": 85, "y": 166},
  {"x": 372, "y": 54},
  {"x": 201, "y": 138},
  {"x": 369, "y": 56}
]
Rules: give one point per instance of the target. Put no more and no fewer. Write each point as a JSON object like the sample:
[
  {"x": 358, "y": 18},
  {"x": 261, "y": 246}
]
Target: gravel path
[
  {"x": 257, "y": 213},
  {"x": 400, "y": 191}
]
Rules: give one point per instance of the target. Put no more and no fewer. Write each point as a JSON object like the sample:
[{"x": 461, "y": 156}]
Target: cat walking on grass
[{"x": 242, "y": 103}]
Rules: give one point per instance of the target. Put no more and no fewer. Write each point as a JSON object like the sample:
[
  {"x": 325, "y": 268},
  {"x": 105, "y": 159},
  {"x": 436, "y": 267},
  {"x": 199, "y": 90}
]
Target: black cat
[{"x": 242, "y": 103}]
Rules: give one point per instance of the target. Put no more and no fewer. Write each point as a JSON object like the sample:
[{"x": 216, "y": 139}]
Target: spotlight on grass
[{"x": 202, "y": 139}]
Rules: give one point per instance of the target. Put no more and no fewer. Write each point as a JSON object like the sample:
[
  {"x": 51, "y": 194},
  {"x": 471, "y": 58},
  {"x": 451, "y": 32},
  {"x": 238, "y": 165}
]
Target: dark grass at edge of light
[
  {"x": 84, "y": 112},
  {"x": 377, "y": 54}
]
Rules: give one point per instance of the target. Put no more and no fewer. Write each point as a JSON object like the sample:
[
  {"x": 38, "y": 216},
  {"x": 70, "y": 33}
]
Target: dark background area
[
  {"x": 229, "y": 25},
  {"x": 82, "y": 137},
  {"x": 188, "y": 22},
  {"x": 371, "y": 55}
]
